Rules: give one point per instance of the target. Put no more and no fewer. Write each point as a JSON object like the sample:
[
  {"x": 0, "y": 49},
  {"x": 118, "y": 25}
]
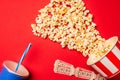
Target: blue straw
[{"x": 23, "y": 56}]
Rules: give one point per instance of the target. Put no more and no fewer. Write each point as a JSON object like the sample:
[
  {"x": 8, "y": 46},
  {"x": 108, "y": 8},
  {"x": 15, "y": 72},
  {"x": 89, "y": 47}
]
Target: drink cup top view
[{"x": 8, "y": 71}]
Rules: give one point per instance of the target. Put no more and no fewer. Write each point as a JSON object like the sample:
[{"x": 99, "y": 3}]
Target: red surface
[{"x": 16, "y": 17}]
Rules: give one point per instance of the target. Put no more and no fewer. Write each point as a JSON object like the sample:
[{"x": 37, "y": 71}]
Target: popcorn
[{"x": 69, "y": 23}]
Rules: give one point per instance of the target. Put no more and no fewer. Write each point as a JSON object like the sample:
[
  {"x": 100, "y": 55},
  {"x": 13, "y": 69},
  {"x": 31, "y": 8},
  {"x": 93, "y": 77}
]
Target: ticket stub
[
  {"x": 62, "y": 67},
  {"x": 84, "y": 74},
  {"x": 65, "y": 68},
  {"x": 99, "y": 77}
]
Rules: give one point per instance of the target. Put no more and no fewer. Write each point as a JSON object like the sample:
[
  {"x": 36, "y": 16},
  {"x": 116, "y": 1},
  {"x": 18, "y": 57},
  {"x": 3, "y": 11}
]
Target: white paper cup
[{"x": 109, "y": 64}]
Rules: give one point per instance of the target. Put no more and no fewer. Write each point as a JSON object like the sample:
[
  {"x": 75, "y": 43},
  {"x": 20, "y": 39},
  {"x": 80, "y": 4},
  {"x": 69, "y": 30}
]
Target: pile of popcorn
[{"x": 69, "y": 23}]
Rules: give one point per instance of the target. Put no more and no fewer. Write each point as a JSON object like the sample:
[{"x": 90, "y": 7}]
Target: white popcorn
[{"x": 69, "y": 23}]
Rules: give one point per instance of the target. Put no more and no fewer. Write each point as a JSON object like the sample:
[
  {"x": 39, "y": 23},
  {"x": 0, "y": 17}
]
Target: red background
[{"x": 16, "y": 17}]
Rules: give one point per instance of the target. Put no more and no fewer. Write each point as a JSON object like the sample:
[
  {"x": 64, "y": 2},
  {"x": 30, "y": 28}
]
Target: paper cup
[
  {"x": 109, "y": 64},
  {"x": 8, "y": 71}
]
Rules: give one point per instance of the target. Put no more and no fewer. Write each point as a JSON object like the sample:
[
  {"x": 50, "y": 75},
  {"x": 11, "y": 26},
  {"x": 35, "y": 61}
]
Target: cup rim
[
  {"x": 115, "y": 42},
  {"x": 13, "y": 62}
]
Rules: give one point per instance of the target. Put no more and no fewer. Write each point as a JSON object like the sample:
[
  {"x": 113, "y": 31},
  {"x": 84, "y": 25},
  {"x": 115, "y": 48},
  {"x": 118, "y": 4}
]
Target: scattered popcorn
[{"x": 69, "y": 23}]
